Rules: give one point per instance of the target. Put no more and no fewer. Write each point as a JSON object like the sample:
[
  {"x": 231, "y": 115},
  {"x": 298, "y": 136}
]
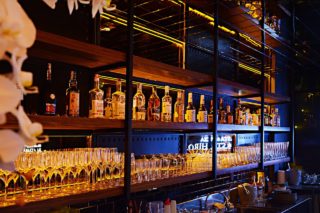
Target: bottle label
[
  {"x": 202, "y": 116},
  {"x": 179, "y": 114},
  {"x": 141, "y": 116},
  {"x": 108, "y": 111},
  {"x": 50, "y": 109},
  {"x": 154, "y": 109},
  {"x": 210, "y": 118},
  {"x": 230, "y": 119},
  {"x": 96, "y": 109},
  {"x": 166, "y": 107},
  {"x": 190, "y": 116},
  {"x": 118, "y": 107},
  {"x": 74, "y": 104}
]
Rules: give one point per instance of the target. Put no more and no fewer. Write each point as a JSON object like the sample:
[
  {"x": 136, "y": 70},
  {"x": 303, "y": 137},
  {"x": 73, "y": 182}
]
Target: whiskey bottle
[
  {"x": 96, "y": 100},
  {"x": 49, "y": 95},
  {"x": 278, "y": 120},
  {"x": 154, "y": 106},
  {"x": 179, "y": 108},
  {"x": 222, "y": 119},
  {"x": 139, "y": 102},
  {"x": 166, "y": 114},
  {"x": 190, "y": 111},
  {"x": 108, "y": 104},
  {"x": 73, "y": 96},
  {"x": 229, "y": 115},
  {"x": 202, "y": 116},
  {"x": 238, "y": 115},
  {"x": 210, "y": 116},
  {"x": 118, "y": 102}
]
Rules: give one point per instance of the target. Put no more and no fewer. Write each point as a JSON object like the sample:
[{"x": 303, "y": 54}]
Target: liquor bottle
[
  {"x": 139, "y": 102},
  {"x": 179, "y": 108},
  {"x": 266, "y": 117},
  {"x": 255, "y": 119},
  {"x": 118, "y": 102},
  {"x": 222, "y": 119},
  {"x": 229, "y": 115},
  {"x": 259, "y": 117},
  {"x": 49, "y": 95},
  {"x": 278, "y": 120},
  {"x": 202, "y": 113},
  {"x": 154, "y": 106},
  {"x": 96, "y": 100},
  {"x": 108, "y": 104},
  {"x": 272, "y": 117},
  {"x": 210, "y": 116},
  {"x": 73, "y": 96},
  {"x": 238, "y": 115},
  {"x": 190, "y": 111},
  {"x": 166, "y": 114}
]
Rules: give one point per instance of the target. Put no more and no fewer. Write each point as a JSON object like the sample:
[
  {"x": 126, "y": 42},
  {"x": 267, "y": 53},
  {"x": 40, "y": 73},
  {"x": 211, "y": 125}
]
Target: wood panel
[
  {"x": 160, "y": 72},
  {"x": 45, "y": 205},
  {"x": 82, "y": 123},
  {"x": 54, "y": 47}
]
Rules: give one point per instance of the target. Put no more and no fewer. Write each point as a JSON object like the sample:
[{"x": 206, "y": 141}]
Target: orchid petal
[
  {"x": 25, "y": 29},
  {"x": 95, "y": 7},
  {"x": 11, "y": 145},
  {"x": 9, "y": 93},
  {"x": 51, "y": 3},
  {"x": 3, "y": 119},
  {"x": 70, "y": 6}
]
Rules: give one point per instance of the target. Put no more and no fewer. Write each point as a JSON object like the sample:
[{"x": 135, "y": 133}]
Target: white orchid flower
[
  {"x": 97, "y": 5},
  {"x": 11, "y": 145},
  {"x": 11, "y": 96},
  {"x": 51, "y": 3},
  {"x": 17, "y": 32},
  {"x": 28, "y": 130}
]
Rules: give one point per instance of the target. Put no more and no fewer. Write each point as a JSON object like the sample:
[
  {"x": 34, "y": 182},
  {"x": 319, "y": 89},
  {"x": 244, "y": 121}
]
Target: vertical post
[
  {"x": 215, "y": 85},
  {"x": 262, "y": 86},
  {"x": 292, "y": 87},
  {"x": 128, "y": 107},
  {"x": 186, "y": 33}
]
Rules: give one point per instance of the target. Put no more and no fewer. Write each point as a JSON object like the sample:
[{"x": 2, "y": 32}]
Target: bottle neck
[
  {"x": 118, "y": 86},
  {"x": 96, "y": 83}
]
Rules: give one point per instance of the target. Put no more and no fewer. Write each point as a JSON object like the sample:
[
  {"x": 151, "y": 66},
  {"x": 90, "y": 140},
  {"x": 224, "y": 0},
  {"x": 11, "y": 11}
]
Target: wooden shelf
[
  {"x": 44, "y": 205},
  {"x": 82, "y": 123},
  {"x": 238, "y": 90},
  {"x": 54, "y": 47},
  {"x": 278, "y": 161},
  {"x": 160, "y": 72},
  {"x": 151, "y": 185}
]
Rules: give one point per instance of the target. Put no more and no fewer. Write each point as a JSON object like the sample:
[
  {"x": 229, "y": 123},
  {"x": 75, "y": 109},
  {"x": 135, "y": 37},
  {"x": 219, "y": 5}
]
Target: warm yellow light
[
  {"x": 251, "y": 69},
  {"x": 136, "y": 82},
  {"x": 223, "y": 28},
  {"x": 144, "y": 29}
]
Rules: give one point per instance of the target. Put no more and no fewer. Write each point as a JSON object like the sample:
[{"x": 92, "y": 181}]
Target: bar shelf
[{"x": 83, "y": 123}]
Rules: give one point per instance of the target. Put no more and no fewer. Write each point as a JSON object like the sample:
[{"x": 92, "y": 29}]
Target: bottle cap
[
  {"x": 190, "y": 96},
  {"x": 167, "y": 202},
  {"x": 179, "y": 94},
  {"x": 166, "y": 89},
  {"x": 202, "y": 99}
]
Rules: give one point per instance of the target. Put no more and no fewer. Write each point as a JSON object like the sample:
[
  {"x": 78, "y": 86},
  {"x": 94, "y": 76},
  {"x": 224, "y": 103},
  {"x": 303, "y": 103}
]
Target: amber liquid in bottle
[{"x": 73, "y": 96}]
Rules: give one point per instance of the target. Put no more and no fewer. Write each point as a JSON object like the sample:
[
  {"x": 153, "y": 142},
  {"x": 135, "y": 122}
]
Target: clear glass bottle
[
  {"x": 50, "y": 100},
  {"x": 272, "y": 117},
  {"x": 202, "y": 116},
  {"x": 222, "y": 119},
  {"x": 266, "y": 117},
  {"x": 73, "y": 96},
  {"x": 154, "y": 106},
  {"x": 179, "y": 108},
  {"x": 238, "y": 115},
  {"x": 210, "y": 116},
  {"x": 166, "y": 114},
  {"x": 190, "y": 111},
  {"x": 96, "y": 100},
  {"x": 139, "y": 102},
  {"x": 118, "y": 102},
  {"x": 229, "y": 115},
  {"x": 108, "y": 104}
]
